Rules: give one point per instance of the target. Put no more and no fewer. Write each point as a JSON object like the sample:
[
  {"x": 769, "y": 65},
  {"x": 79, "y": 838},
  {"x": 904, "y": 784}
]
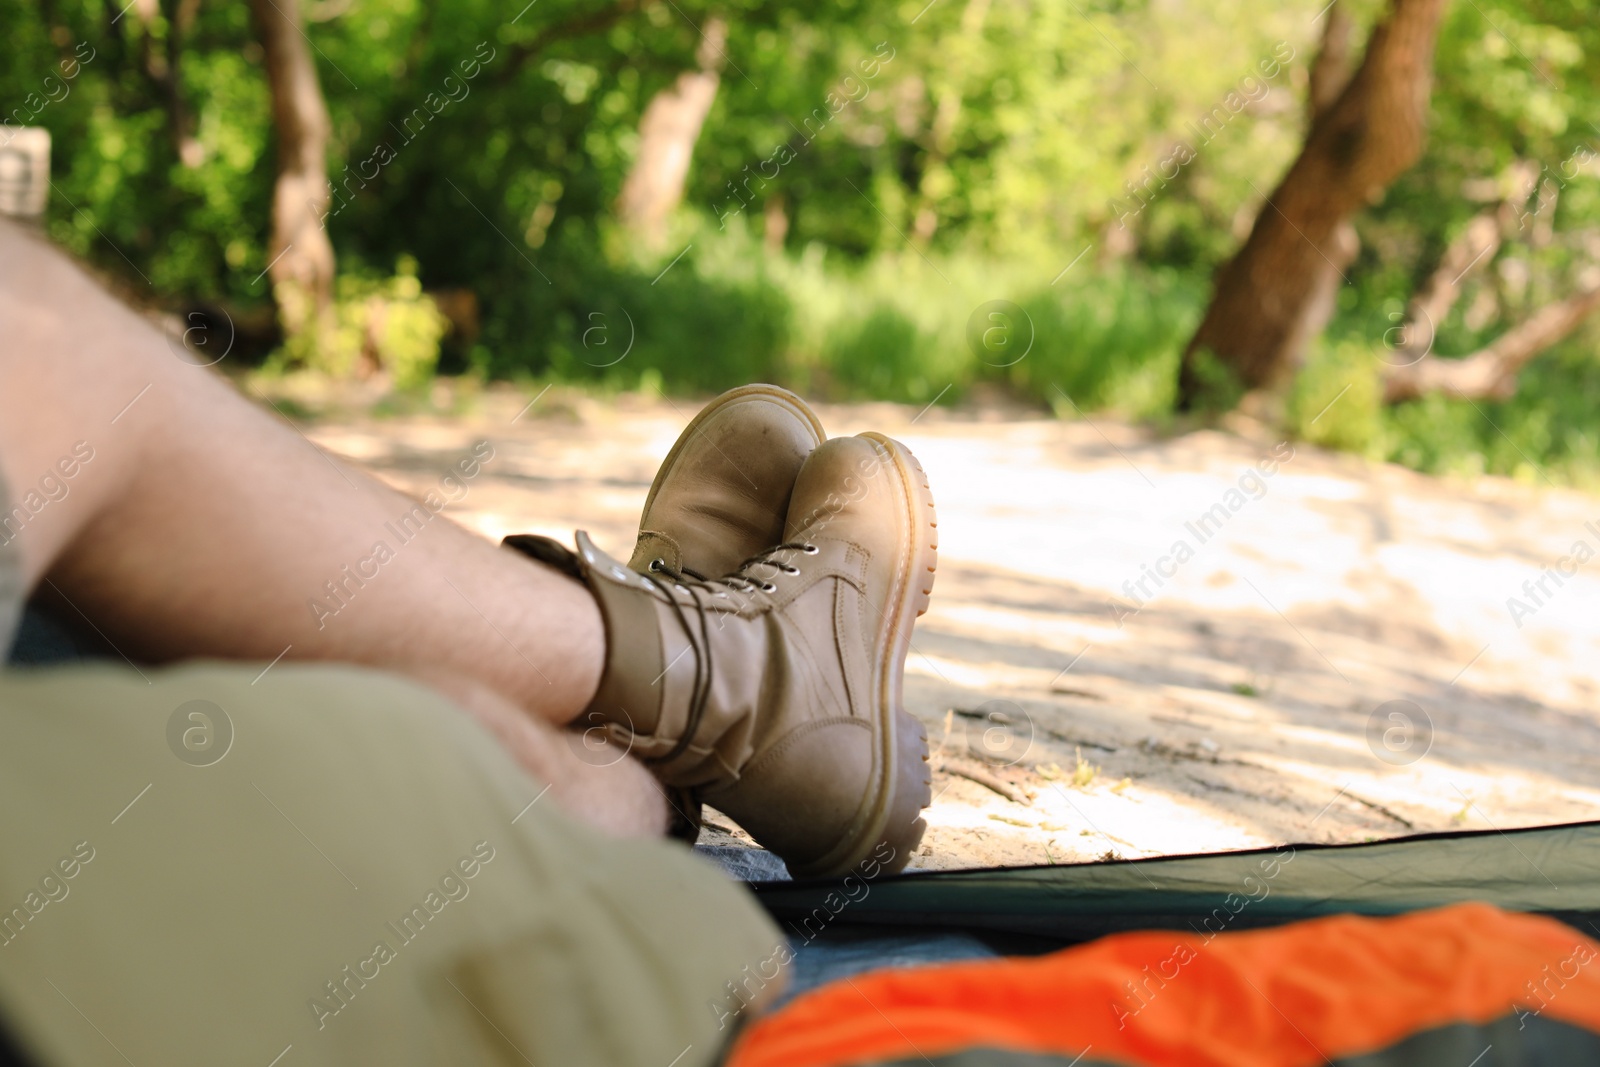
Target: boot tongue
[{"x": 653, "y": 545}]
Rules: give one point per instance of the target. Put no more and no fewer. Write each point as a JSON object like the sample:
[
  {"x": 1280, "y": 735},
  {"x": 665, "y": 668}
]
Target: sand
[{"x": 1329, "y": 656}]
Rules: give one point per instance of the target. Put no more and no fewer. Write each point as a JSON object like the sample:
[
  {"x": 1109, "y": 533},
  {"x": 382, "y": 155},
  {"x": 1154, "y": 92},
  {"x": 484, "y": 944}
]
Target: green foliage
[
  {"x": 1545, "y": 434},
  {"x": 1110, "y": 341},
  {"x": 869, "y": 177},
  {"x": 607, "y": 319},
  {"x": 1337, "y": 399},
  {"x": 1218, "y": 388},
  {"x": 394, "y": 322},
  {"x": 385, "y": 324},
  {"x": 907, "y": 328},
  {"x": 879, "y": 356}
]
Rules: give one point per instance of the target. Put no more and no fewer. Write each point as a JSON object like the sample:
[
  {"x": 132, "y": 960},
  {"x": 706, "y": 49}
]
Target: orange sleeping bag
[{"x": 1418, "y": 989}]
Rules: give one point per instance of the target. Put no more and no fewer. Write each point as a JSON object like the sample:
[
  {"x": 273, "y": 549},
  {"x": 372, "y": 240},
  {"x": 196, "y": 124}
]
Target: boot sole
[
  {"x": 906, "y": 784},
  {"x": 782, "y": 397}
]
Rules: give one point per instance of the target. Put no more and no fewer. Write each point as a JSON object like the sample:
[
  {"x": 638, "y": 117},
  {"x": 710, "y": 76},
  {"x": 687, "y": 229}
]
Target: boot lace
[{"x": 742, "y": 580}]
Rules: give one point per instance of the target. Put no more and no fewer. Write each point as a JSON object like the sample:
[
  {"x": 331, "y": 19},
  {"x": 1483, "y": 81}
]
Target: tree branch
[
  {"x": 1330, "y": 72},
  {"x": 1473, "y": 249},
  {"x": 594, "y": 22},
  {"x": 1491, "y": 373}
]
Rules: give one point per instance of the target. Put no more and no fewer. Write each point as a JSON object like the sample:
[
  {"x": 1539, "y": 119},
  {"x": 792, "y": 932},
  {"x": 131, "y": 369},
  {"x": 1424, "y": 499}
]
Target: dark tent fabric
[{"x": 1552, "y": 870}]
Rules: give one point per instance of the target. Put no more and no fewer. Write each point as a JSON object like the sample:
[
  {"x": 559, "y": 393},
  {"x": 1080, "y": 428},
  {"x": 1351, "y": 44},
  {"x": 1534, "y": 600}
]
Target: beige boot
[
  {"x": 774, "y": 693},
  {"x": 720, "y": 497},
  {"x": 722, "y": 493}
]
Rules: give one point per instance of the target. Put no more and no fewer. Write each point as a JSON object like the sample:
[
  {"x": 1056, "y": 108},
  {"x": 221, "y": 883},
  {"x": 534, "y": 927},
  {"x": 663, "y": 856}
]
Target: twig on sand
[
  {"x": 1381, "y": 810},
  {"x": 972, "y": 772}
]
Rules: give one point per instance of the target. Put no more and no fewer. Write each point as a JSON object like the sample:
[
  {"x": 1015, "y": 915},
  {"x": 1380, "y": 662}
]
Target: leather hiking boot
[
  {"x": 721, "y": 497},
  {"x": 722, "y": 493},
  {"x": 774, "y": 693}
]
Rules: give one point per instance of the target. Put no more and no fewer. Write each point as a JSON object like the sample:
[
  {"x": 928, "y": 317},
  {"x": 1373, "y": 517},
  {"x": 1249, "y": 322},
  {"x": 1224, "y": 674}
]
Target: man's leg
[{"x": 185, "y": 521}]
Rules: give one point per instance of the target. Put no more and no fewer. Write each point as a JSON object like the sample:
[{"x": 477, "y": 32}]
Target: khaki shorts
[{"x": 326, "y": 865}]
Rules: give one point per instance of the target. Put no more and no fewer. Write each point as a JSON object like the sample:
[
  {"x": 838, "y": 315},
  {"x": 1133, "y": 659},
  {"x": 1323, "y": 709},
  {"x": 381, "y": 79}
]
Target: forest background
[{"x": 1375, "y": 224}]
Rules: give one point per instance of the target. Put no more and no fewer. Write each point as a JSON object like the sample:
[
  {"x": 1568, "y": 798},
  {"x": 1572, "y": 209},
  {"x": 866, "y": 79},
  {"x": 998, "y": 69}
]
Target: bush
[
  {"x": 1546, "y": 433},
  {"x": 620, "y": 324},
  {"x": 883, "y": 354},
  {"x": 376, "y": 324},
  {"x": 1337, "y": 399},
  {"x": 1112, "y": 341},
  {"x": 902, "y": 328}
]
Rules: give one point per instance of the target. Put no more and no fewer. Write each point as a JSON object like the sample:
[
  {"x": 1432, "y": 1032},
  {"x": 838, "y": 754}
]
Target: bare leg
[{"x": 201, "y": 525}]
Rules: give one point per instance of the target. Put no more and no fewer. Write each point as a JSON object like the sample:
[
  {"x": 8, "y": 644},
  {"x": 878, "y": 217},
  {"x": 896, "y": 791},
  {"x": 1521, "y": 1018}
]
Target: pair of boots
[{"x": 755, "y": 642}]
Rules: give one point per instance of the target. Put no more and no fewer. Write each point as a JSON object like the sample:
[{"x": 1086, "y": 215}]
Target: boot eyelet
[
  {"x": 810, "y": 550},
  {"x": 768, "y": 587},
  {"x": 788, "y": 569},
  {"x": 657, "y": 565}
]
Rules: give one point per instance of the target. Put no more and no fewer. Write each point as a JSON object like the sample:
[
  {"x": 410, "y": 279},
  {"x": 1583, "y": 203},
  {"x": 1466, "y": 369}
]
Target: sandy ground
[{"x": 1329, "y": 657}]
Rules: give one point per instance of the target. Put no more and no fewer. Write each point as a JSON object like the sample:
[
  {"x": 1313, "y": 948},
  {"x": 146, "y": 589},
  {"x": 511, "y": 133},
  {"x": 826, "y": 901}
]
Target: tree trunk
[
  {"x": 163, "y": 68},
  {"x": 180, "y": 119},
  {"x": 1330, "y": 72},
  {"x": 667, "y": 135},
  {"x": 520, "y": 55},
  {"x": 1329, "y": 77},
  {"x": 299, "y": 252},
  {"x": 1259, "y": 311}
]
